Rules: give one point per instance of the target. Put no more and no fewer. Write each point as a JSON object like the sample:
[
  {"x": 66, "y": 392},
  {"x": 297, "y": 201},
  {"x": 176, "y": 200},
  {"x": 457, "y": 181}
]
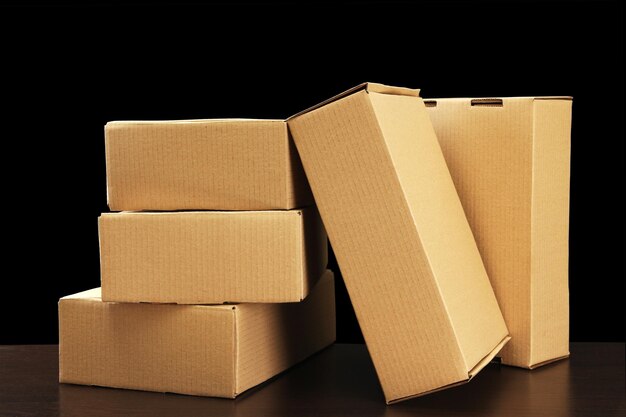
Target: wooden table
[{"x": 339, "y": 381}]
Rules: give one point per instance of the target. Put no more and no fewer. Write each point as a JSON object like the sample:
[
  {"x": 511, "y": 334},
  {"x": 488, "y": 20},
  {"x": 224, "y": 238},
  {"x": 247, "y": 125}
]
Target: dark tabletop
[{"x": 339, "y": 381}]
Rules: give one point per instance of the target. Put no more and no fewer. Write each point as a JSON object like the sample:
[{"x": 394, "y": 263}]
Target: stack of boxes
[
  {"x": 214, "y": 269},
  {"x": 449, "y": 220}
]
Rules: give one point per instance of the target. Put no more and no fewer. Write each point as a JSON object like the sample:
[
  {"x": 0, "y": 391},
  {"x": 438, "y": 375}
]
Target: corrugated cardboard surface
[
  {"x": 509, "y": 159},
  {"x": 211, "y": 257},
  {"x": 219, "y": 350},
  {"x": 406, "y": 252},
  {"x": 203, "y": 165}
]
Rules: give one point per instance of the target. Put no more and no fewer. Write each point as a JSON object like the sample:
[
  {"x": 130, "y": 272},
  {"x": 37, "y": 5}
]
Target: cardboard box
[
  {"x": 406, "y": 252},
  {"x": 219, "y": 350},
  {"x": 211, "y": 257},
  {"x": 203, "y": 165},
  {"x": 509, "y": 159}
]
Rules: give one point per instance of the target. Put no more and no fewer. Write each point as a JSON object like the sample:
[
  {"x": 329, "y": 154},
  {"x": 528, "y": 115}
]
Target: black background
[{"x": 66, "y": 70}]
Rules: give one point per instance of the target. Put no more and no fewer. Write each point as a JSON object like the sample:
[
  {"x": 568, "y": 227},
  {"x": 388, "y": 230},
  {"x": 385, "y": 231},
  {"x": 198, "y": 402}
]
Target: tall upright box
[
  {"x": 509, "y": 159},
  {"x": 406, "y": 252}
]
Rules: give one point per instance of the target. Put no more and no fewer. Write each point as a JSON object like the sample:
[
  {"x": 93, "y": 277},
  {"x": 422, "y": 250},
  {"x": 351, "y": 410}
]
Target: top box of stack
[{"x": 235, "y": 164}]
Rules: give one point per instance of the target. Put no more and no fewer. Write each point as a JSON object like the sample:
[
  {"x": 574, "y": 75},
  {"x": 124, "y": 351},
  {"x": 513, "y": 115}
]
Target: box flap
[
  {"x": 369, "y": 87},
  {"x": 421, "y": 394},
  {"x": 484, "y": 361}
]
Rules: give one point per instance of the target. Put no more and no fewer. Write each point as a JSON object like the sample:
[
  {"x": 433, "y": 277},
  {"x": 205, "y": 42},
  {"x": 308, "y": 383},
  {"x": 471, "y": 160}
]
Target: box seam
[
  {"x": 107, "y": 179},
  {"x": 484, "y": 361},
  {"x": 303, "y": 258},
  {"x": 421, "y": 394},
  {"x": 236, "y": 358},
  {"x": 532, "y": 240},
  {"x": 547, "y": 362},
  {"x": 289, "y": 196}
]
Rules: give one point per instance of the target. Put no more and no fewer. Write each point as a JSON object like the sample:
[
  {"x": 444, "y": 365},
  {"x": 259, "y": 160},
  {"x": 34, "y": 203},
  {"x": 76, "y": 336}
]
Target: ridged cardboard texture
[
  {"x": 219, "y": 350},
  {"x": 232, "y": 164},
  {"x": 211, "y": 257},
  {"x": 406, "y": 252},
  {"x": 509, "y": 159}
]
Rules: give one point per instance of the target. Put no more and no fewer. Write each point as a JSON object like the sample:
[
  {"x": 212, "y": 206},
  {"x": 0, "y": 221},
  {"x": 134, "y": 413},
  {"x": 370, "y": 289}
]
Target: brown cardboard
[
  {"x": 509, "y": 159},
  {"x": 406, "y": 252},
  {"x": 234, "y": 164},
  {"x": 211, "y": 257},
  {"x": 219, "y": 350}
]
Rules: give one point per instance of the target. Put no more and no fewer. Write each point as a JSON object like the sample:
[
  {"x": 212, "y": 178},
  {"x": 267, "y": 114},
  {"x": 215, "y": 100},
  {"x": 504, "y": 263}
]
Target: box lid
[{"x": 367, "y": 86}]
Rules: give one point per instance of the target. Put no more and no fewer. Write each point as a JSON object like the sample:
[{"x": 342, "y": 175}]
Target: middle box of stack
[{"x": 213, "y": 212}]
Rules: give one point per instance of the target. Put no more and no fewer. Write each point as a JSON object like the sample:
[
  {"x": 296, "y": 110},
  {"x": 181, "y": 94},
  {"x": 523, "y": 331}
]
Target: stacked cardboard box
[{"x": 246, "y": 231}]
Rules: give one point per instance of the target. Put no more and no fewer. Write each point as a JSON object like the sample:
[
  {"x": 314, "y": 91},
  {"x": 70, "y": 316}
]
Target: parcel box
[
  {"x": 406, "y": 252},
  {"x": 218, "y": 350},
  {"x": 203, "y": 165},
  {"x": 211, "y": 257},
  {"x": 509, "y": 159}
]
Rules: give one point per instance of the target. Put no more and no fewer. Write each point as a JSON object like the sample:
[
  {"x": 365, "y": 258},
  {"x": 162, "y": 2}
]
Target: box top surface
[
  {"x": 478, "y": 100},
  {"x": 116, "y": 123},
  {"x": 367, "y": 86},
  {"x": 208, "y": 213},
  {"x": 94, "y": 295}
]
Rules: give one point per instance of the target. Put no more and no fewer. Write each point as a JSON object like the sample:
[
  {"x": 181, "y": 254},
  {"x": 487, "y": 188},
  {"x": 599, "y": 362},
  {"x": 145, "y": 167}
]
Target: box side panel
[
  {"x": 298, "y": 189},
  {"x": 273, "y": 337},
  {"x": 203, "y": 257},
  {"x": 165, "y": 348},
  {"x": 382, "y": 261},
  {"x": 488, "y": 150},
  {"x": 314, "y": 248},
  {"x": 441, "y": 223},
  {"x": 550, "y": 231},
  {"x": 224, "y": 165}
]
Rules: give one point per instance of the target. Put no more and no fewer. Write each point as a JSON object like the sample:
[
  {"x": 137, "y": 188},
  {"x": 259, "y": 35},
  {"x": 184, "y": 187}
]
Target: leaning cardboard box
[
  {"x": 509, "y": 159},
  {"x": 406, "y": 252},
  {"x": 209, "y": 257},
  {"x": 231, "y": 164},
  {"x": 219, "y": 350}
]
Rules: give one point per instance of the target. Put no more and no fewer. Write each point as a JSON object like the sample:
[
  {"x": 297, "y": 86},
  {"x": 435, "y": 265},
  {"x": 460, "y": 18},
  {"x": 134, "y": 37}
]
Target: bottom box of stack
[{"x": 213, "y": 350}]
